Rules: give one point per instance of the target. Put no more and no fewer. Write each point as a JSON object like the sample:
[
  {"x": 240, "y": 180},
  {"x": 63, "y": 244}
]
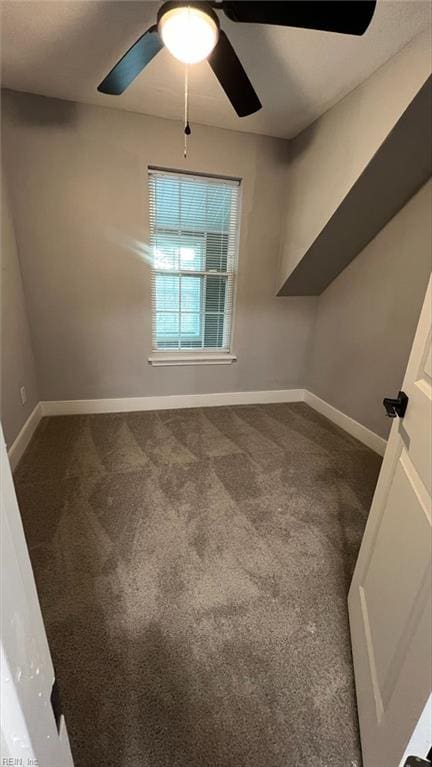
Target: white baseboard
[
  {"x": 20, "y": 442},
  {"x": 131, "y": 404},
  {"x": 348, "y": 424}
]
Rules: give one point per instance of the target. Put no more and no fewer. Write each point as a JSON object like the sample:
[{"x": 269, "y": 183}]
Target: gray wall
[
  {"x": 328, "y": 157},
  {"x": 78, "y": 177},
  {"x": 17, "y": 362},
  {"x": 366, "y": 319}
]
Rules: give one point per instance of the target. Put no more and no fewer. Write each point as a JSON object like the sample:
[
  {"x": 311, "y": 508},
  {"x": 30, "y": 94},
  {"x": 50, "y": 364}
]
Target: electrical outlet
[{"x": 23, "y": 395}]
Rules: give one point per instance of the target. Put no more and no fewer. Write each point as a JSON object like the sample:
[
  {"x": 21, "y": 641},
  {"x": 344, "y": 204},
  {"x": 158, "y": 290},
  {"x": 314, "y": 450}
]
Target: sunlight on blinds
[{"x": 194, "y": 227}]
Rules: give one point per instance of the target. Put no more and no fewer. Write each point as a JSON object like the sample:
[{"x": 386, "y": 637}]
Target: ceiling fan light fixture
[{"x": 189, "y": 33}]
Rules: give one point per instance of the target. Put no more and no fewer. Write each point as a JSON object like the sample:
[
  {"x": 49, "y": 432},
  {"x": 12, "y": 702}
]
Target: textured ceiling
[{"x": 65, "y": 48}]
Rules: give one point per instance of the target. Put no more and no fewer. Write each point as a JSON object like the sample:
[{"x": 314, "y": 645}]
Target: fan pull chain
[{"x": 187, "y": 128}]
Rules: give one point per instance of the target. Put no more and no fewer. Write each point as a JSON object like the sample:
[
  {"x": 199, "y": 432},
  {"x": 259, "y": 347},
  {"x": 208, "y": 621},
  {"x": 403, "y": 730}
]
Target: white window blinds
[{"x": 194, "y": 227}]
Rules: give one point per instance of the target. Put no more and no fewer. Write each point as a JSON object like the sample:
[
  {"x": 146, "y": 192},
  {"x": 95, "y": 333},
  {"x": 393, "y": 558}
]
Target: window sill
[{"x": 163, "y": 359}]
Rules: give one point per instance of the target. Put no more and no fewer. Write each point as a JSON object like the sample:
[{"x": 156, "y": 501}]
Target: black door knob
[{"x": 397, "y": 406}]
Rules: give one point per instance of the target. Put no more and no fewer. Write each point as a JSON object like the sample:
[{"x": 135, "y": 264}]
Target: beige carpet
[{"x": 192, "y": 567}]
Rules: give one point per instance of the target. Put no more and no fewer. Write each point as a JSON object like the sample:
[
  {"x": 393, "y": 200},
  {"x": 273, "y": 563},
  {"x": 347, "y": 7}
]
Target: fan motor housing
[{"x": 170, "y": 5}]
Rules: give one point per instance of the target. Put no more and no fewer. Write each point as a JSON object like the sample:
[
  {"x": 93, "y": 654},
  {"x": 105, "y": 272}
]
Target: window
[{"x": 194, "y": 222}]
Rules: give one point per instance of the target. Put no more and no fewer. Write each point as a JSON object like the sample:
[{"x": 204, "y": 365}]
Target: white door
[
  {"x": 390, "y": 595},
  {"x": 29, "y": 733}
]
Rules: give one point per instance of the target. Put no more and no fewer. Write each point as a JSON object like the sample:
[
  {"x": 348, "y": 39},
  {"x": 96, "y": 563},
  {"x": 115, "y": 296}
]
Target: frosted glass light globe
[{"x": 189, "y": 33}]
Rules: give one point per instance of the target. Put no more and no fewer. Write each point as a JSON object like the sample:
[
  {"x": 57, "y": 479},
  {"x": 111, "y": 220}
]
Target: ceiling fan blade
[
  {"x": 351, "y": 17},
  {"x": 229, "y": 71},
  {"x": 132, "y": 63}
]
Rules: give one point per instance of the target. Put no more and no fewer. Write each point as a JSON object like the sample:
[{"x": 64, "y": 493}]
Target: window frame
[{"x": 200, "y": 355}]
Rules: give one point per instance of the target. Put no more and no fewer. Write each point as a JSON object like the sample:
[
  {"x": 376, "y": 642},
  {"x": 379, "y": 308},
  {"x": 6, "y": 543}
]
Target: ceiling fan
[{"x": 191, "y": 32}]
